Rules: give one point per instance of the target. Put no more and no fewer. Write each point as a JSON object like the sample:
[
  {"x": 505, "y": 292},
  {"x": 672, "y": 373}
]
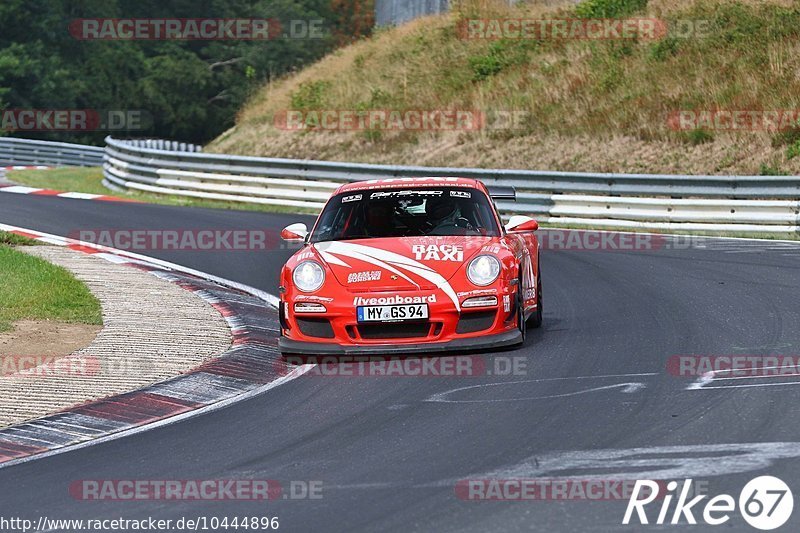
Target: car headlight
[
  {"x": 308, "y": 276},
  {"x": 483, "y": 270}
]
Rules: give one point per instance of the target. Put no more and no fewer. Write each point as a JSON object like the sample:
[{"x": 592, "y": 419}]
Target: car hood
[{"x": 399, "y": 263}]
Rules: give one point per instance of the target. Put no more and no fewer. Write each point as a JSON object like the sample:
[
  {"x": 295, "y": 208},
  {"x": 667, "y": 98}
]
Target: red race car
[{"x": 410, "y": 265}]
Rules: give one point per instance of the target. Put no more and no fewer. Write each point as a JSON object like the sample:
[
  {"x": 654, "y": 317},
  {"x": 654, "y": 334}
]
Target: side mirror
[
  {"x": 519, "y": 223},
  {"x": 295, "y": 232}
]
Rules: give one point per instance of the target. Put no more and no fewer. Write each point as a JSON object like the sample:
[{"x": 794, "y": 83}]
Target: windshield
[{"x": 406, "y": 213}]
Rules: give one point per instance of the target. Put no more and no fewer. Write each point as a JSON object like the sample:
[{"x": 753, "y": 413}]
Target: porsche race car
[{"x": 410, "y": 265}]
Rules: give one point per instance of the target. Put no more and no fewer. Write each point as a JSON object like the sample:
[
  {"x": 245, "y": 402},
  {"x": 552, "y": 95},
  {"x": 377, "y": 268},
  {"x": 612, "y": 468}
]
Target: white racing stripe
[
  {"x": 368, "y": 259},
  {"x": 387, "y": 259}
]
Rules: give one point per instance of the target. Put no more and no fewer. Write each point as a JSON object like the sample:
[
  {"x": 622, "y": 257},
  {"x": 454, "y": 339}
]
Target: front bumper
[{"x": 500, "y": 340}]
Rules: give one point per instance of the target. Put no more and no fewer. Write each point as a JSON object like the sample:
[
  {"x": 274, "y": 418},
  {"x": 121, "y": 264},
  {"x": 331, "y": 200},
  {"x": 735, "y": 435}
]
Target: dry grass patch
[{"x": 578, "y": 95}]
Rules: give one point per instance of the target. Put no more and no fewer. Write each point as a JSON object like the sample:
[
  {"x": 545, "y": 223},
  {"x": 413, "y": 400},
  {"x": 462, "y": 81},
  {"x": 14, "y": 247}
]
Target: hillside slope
[{"x": 589, "y": 105}]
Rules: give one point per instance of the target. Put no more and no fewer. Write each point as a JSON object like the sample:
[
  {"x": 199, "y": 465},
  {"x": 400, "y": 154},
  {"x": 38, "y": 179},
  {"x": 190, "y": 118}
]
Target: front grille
[
  {"x": 394, "y": 331},
  {"x": 472, "y": 322},
  {"x": 315, "y": 327}
]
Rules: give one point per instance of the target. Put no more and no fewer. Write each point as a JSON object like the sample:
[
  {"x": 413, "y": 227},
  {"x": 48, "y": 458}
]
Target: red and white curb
[
  {"x": 26, "y": 167},
  {"x": 251, "y": 367},
  {"x": 20, "y": 189}
]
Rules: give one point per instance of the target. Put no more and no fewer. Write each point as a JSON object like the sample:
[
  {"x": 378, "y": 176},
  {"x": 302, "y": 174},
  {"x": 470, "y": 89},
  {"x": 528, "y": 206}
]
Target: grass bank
[
  {"x": 33, "y": 289},
  {"x": 589, "y": 105}
]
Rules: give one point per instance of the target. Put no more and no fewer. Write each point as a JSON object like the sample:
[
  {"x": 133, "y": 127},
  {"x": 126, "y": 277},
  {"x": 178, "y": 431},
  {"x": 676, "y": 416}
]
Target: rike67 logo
[{"x": 765, "y": 503}]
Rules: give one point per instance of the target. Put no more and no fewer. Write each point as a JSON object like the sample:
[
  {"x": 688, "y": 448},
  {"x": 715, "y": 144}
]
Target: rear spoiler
[{"x": 503, "y": 193}]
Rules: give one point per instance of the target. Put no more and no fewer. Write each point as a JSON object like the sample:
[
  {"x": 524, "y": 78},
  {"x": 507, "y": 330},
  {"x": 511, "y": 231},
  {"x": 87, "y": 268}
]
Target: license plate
[{"x": 392, "y": 313}]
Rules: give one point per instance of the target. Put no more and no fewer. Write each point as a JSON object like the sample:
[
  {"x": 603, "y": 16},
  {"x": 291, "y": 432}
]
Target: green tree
[{"x": 191, "y": 89}]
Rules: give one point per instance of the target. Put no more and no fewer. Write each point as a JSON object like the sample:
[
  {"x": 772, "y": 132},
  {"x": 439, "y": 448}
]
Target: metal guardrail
[
  {"x": 15, "y": 151},
  {"x": 766, "y": 204},
  {"x": 664, "y": 202}
]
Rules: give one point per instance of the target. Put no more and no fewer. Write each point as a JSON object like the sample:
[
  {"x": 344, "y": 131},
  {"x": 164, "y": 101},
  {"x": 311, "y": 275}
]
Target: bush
[
  {"x": 310, "y": 95},
  {"x": 793, "y": 150},
  {"x": 699, "y": 136},
  {"x": 500, "y": 55},
  {"x": 789, "y": 136},
  {"x": 767, "y": 170},
  {"x": 664, "y": 49},
  {"x": 608, "y": 8},
  {"x": 485, "y": 66}
]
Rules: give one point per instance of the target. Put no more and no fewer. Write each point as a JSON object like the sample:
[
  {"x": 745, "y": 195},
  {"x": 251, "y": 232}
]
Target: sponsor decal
[
  {"x": 397, "y": 299},
  {"x": 358, "y": 277},
  {"x": 351, "y": 198},
  {"x": 507, "y": 303},
  {"x": 399, "y": 181},
  {"x": 477, "y": 292},
  {"x": 303, "y": 256},
  {"x": 460, "y": 194},
  {"x": 528, "y": 280},
  {"x": 305, "y": 298},
  {"x": 530, "y": 294},
  {"x": 441, "y": 252},
  {"x": 399, "y": 194}
]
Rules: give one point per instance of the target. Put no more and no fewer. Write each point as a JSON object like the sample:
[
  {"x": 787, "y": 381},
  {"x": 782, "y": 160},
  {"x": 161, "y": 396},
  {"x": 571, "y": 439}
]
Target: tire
[{"x": 535, "y": 321}]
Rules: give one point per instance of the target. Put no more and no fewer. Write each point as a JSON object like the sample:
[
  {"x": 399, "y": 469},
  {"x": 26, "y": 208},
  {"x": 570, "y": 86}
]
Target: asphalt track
[{"x": 390, "y": 451}]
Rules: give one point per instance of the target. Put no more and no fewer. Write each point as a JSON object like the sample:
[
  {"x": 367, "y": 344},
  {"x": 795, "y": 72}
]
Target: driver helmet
[
  {"x": 442, "y": 211},
  {"x": 378, "y": 218}
]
